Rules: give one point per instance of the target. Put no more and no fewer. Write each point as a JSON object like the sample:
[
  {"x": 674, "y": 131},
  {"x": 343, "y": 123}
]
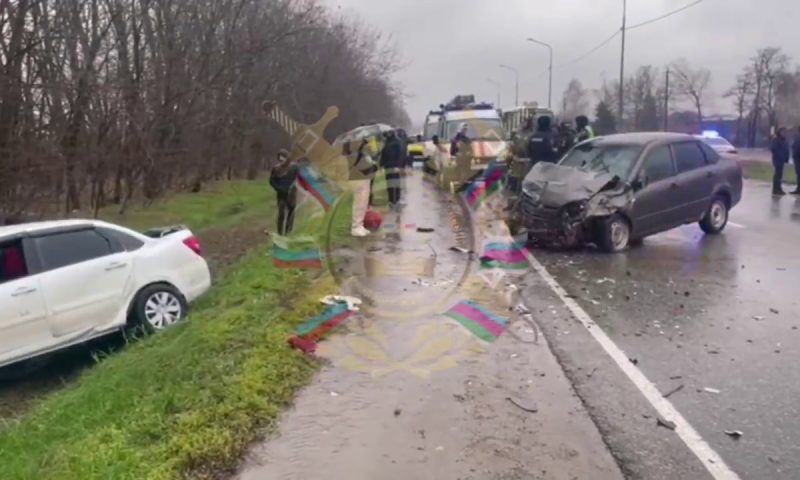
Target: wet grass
[
  {"x": 221, "y": 205},
  {"x": 755, "y": 170},
  {"x": 184, "y": 403}
]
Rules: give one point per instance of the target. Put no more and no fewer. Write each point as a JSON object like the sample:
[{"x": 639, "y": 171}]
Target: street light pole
[
  {"x": 666, "y": 103},
  {"x": 516, "y": 82},
  {"x": 499, "y": 89},
  {"x": 550, "y": 82},
  {"x": 622, "y": 63}
]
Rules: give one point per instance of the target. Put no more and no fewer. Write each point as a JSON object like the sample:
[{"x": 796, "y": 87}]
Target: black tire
[
  {"x": 716, "y": 217},
  {"x": 615, "y": 234},
  {"x": 158, "y": 307}
]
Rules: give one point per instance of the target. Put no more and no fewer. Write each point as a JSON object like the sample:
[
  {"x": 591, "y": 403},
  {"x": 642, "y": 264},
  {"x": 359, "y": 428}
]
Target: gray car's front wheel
[
  {"x": 615, "y": 234},
  {"x": 716, "y": 217}
]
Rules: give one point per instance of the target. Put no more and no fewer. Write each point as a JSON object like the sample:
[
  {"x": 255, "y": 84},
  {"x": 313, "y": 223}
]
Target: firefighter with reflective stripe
[{"x": 585, "y": 131}]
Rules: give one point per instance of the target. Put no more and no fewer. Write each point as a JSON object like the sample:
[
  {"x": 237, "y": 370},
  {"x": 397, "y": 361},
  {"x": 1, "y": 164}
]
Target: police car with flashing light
[{"x": 717, "y": 142}]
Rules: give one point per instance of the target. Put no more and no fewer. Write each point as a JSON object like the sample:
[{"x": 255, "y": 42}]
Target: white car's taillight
[{"x": 194, "y": 245}]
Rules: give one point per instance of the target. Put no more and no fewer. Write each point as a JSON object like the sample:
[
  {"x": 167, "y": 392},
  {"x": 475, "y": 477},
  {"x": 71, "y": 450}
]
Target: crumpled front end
[{"x": 562, "y": 206}]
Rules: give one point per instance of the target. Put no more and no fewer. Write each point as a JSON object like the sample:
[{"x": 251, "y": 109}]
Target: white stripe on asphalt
[
  {"x": 734, "y": 224},
  {"x": 710, "y": 459}
]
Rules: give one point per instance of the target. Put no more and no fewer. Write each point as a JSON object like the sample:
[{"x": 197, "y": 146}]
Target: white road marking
[
  {"x": 709, "y": 458},
  {"x": 734, "y": 224}
]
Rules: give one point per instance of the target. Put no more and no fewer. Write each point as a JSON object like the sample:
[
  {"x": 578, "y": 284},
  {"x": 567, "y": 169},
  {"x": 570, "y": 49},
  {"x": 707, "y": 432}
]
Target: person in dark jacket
[
  {"x": 540, "y": 146},
  {"x": 780, "y": 157},
  {"x": 796, "y": 160},
  {"x": 393, "y": 162},
  {"x": 402, "y": 136},
  {"x": 584, "y": 130},
  {"x": 460, "y": 138},
  {"x": 282, "y": 179}
]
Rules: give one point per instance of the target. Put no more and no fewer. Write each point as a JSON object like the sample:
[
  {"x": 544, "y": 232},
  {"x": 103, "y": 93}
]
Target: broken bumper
[{"x": 551, "y": 225}]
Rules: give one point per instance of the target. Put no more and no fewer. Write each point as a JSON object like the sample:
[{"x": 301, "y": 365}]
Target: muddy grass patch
[{"x": 184, "y": 403}]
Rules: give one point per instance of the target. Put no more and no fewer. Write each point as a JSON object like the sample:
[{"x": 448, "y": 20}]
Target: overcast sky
[{"x": 453, "y": 46}]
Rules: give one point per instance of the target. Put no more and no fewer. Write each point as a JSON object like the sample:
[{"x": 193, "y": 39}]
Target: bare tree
[
  {"x": 741, "y": 93},
  {"x": 639, "y": 97},
  {"x": 104, "y": 101},
  {"x": 765, "y": 68},
  {"x": 575, "y": 101},
  {"x": 692, "y": 85}
]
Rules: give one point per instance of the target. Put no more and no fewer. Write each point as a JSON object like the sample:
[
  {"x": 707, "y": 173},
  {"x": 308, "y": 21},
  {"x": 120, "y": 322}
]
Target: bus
[{"x": 514, "y": 119}]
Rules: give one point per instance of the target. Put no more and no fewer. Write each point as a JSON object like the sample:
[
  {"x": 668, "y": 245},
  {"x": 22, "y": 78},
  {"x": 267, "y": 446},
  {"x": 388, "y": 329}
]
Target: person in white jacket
[
  {"x": 362, "y": 170},
  {"x": 437, "y": 156}
]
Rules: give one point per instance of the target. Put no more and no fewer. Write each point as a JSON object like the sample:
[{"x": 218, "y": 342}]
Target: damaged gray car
[{"x": 615, "y": 190}]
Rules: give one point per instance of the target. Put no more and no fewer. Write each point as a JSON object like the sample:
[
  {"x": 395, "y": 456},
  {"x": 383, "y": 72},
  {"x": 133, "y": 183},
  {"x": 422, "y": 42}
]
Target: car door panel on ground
[
  {"x": 85, "y": 277},
  {"x": 23, "y": 314},
  {"x": 658, "y": 202},
  {"x": 696, "y": 178}
]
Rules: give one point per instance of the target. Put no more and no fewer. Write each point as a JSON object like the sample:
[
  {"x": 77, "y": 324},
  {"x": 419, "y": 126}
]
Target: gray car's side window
[
  {"x": 688, "y": 156},
  {"x": 658, "y": 165}
]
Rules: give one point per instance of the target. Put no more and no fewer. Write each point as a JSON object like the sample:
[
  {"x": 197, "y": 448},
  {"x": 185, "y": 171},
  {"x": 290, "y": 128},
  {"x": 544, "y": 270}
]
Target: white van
[{"x": 484, "y": 129}]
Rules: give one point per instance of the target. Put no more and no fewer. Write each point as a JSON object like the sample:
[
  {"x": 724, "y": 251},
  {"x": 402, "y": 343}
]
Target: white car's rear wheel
[{"x": 158, "y": 307}]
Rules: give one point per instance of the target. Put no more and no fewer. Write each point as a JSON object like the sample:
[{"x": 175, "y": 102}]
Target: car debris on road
[
  {"x": 674, "y": 390},
  {"x": 666, "y": 423},
  {"x": 530, "y": 409}
]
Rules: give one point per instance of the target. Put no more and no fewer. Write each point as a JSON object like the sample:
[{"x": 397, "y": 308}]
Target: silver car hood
[{"x": 552, "y": 185}]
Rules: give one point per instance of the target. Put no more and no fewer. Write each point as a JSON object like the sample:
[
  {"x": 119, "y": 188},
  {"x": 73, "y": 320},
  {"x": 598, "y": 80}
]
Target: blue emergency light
[{"x": 710, "y": 134}]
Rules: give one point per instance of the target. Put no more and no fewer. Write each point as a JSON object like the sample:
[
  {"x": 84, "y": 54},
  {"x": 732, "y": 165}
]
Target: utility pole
[
  {"x": 666, "y": 103},
  {"x": 516, "y": 82},
  {"x": 550, "y": 82},
  {"x": 622, "y": 64}
]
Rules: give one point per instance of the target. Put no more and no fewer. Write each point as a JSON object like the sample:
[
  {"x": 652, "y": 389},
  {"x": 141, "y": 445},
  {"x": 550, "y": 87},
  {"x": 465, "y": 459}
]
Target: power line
[
  {"x": 666, "y": 15},
  {"x": 594, "y": 49},
  {"x": 641, "y": 24}
]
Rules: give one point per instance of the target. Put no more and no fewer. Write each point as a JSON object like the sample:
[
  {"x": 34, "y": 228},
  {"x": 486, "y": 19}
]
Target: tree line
[
  {"x": 105, "y": 101},
  {"x": 766, "y": 94}
]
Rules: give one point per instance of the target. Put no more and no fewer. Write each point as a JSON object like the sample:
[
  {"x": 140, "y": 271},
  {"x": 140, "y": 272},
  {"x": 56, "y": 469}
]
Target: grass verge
[
  {"x": 763, "y": 171},
  {"x": 187, "y": 402},
  {"x": 221, "y": 205},
  {"x": 182, "y": 403}
]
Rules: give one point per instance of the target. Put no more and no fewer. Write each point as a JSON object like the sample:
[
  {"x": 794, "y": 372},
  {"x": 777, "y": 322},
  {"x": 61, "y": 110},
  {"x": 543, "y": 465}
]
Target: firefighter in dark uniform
[{"x": 541, "y": 146}]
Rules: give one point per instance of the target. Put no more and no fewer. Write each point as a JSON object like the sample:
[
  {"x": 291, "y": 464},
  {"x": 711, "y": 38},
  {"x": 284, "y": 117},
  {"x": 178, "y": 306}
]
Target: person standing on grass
[
  {"x": 393, "y": 162},
  {"x": 780, "y": 157},
  {"x": 796, "y": 160},
  {"x": 282, "y": 179}
]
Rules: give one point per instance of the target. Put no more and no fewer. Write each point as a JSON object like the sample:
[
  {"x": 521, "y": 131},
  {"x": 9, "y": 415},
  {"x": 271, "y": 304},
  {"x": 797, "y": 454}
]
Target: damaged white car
[{"x": 614, "y": 190}]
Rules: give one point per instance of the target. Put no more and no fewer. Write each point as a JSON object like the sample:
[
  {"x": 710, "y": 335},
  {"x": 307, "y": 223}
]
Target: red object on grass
[
  {"x": 372, "y": 220},
  {"x": 303, "y": 344}
]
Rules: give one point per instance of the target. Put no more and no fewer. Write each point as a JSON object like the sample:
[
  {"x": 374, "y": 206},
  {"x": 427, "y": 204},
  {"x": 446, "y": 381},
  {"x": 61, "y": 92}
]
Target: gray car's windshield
[{"x": 614, "y": 159}]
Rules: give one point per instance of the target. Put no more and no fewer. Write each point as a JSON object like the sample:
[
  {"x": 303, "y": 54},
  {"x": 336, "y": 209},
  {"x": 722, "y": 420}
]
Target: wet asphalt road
[{"x": 719, "y": 312}]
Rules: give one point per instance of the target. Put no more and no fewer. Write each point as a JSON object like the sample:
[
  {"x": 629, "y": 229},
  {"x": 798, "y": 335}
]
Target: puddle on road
[{"x": 410, "y": 393}]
